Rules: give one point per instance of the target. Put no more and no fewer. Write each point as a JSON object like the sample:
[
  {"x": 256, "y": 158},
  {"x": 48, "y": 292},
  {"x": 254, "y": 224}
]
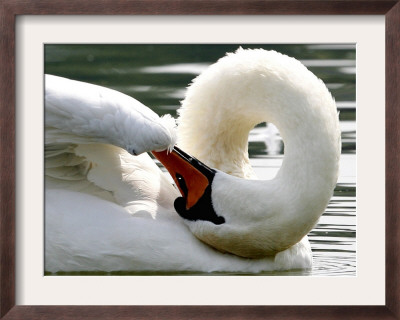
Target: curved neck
[
  {"x": 231, "y": 97},
  {"x": 311, "y": 149},
  {"x": 310, "y": 133}
]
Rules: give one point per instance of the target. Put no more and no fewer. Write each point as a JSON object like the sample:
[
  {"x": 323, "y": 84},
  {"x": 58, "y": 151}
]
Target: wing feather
[
  {"x": 78, "y": 112},
  {"x": 88, "y": 130}
]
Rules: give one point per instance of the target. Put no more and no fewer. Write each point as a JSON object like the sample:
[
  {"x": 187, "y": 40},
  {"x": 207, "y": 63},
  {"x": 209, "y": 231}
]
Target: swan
[{"x": 108, "y": 207}]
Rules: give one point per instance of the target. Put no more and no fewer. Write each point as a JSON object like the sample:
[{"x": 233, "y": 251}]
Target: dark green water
[{"x": 157, "y": 75}]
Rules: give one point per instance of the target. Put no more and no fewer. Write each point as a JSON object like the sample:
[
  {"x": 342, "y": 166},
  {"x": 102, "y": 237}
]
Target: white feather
[{"x": 78, "y": 112}]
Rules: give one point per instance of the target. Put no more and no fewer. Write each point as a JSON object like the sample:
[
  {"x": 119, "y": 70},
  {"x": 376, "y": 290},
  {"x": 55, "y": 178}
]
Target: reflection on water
[{"x": 157, "y": 75}]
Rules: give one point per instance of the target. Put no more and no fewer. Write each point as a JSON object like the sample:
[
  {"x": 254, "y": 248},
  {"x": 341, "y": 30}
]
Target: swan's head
[
  {"x": 228, "y": 221},
  {"x": 194, "y": 180}
]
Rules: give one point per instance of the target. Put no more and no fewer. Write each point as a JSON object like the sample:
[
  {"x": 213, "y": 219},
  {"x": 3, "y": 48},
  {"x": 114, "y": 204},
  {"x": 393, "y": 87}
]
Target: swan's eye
[{"x": 202, "y": 210}]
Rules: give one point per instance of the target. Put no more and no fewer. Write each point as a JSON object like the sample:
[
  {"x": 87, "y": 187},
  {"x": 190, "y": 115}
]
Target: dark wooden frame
[{"x": 9, "y": 9}]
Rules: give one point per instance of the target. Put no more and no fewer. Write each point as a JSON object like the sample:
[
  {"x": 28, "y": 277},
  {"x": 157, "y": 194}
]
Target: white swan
[{"x": 108, "y": 210}]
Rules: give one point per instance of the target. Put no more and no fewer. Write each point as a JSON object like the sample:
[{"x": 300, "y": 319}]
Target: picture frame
[{"x": 9, "y": 11}]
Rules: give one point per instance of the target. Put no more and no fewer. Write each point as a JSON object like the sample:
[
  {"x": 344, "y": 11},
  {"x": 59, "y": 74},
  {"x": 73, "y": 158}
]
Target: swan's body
[{"x": 108, "y": 210}]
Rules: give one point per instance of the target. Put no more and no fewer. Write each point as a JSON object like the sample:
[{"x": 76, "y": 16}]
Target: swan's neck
[
  {"x": 312, "y": 150},
  {"x": 311, "y": 144},
  {"x": 225, "y": 103},
  {"x": 222, "y": 144}
]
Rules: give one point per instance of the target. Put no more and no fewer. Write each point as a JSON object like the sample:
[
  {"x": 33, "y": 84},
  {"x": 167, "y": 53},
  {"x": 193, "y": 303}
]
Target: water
[{"x": 157, "y": 75}]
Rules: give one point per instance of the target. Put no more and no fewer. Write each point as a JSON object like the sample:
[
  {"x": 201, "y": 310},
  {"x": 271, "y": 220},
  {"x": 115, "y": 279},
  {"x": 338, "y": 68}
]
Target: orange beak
[{"x": 191, "y": 176}]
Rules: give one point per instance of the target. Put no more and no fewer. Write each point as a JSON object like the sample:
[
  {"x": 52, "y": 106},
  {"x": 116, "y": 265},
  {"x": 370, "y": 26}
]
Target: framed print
[{"x": 34, "y": 37}]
